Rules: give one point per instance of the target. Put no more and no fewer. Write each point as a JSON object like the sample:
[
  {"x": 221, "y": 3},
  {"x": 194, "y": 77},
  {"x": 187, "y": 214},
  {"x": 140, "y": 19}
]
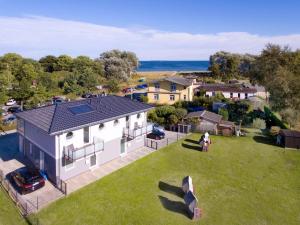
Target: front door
[{"x": 123, "y": 146}]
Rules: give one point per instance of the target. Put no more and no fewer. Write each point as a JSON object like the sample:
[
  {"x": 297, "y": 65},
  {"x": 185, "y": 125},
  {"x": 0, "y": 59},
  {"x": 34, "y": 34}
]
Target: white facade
[
  {"x": 239, "y": 95},
  {"x": 52, "y": 147}
]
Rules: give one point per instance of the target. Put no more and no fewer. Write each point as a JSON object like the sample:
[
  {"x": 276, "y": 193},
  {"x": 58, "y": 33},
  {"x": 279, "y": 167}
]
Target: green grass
[
  {"x": 239, "y": 181},
  {"x": 9, "y": 214}
]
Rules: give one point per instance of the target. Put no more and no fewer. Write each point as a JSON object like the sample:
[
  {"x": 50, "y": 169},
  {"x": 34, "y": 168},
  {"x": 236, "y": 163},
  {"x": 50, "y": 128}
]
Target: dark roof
[
  {"x": 213, "y": 117},
  {"x": 227, "y": 88},
  {"x": 177, "y": 80},
  {"x": 61, "y": 117},
  {"x": 225, "y": 123},
  {"x": 290, "y": 133}
]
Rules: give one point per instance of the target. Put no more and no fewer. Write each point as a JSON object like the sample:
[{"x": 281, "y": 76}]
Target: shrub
[
  {"x": 274, "y": 130},
  {"x": 224, "y": 113},
  {"x": 259, "y": 124}
]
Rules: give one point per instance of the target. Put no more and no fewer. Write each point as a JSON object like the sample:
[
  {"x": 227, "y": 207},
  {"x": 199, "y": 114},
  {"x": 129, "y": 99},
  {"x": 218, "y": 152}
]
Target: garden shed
[{"x": 289, "y": 138}]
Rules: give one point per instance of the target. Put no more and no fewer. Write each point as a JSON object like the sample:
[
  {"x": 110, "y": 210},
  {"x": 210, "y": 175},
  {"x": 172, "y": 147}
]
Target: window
[
  {"x": 231, "y": 95},
  {"x": 116, "y": 122},
  {"x": 86, "y": 134},
  {"x": 101, "y": 126},
  {"x": 213, "y": 93},
  {"x": 156, "y": 96},
  {"x": 239, "y": 95},
  {"x": 172, "y": 97},
  {"x": 127, "y": 118},
  {"x": 173, "y": 87},
  {"x": 246, "y": 95},
  {"x": 69, "y": 135},
  {"x": 184, "y": 97},
  {"x": 138, "y": 115},
  {"x": 157, "y": 86}
]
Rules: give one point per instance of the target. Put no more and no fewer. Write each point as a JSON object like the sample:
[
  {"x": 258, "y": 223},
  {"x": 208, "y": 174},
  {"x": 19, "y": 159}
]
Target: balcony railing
[
  {"x": 74, "y": 154},
  {"x": 138, "y": 131}
]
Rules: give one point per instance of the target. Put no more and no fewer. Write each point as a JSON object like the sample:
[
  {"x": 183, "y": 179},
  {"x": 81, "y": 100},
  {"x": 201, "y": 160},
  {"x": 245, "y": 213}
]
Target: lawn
[
  {"x": 239, "y": 181},
  {"x": 8, "y": 212}
]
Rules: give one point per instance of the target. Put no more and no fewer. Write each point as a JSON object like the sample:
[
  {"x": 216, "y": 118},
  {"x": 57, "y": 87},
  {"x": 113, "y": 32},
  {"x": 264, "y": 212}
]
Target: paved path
[{"x": 88, "y": 177}]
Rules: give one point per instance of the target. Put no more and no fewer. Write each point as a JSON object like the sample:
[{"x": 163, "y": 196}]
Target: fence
[{"x": 157, "y": 144}]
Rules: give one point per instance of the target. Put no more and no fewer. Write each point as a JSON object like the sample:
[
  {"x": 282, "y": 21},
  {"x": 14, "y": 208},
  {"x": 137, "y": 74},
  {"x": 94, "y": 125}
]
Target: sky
[{"x": 154, "y": 30}]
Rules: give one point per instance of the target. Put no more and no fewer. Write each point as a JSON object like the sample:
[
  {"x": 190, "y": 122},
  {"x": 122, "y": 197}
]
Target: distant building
[
  {"x": 227, "y": 90},
  {"x": 170, "y": 90},
  {"x": 211, "y": 122}
]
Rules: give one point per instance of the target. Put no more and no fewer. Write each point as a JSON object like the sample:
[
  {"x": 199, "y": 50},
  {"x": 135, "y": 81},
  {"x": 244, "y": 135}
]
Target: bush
[
  {"x": 259, "y": 124},
  {"x": 274, "y": 130},
  {"x": 224, "y": 113},
  {"x": 144, "y": 98}
]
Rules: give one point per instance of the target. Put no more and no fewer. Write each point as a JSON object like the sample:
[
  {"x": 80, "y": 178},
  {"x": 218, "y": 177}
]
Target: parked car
[
  {"x": 27, "y": 179},
  {"x": 141, "y": 86},
  {"x": 157, "y": 127},
  {"x": 57, "y": 100},
  {"x": 9, "y": 120},
  {"x": 157, "y": 135},
  {"x": 128, "y": 90},
  {"x": 11, "y": 102},
  {"x": 14, "y": 109}
]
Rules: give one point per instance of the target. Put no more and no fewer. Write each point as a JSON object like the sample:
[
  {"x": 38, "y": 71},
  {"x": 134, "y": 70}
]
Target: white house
[
  {"x": 70, "y": 138},
  {"x": 227, "y": 90}
]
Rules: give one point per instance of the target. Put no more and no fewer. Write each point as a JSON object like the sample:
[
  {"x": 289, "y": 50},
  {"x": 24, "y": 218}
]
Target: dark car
[
  {"x": 156, "y": 134},
  {"x": 9, "y": 120},
  {"x": 27, "y": 179},
  {"x": 14, "y": 109}
]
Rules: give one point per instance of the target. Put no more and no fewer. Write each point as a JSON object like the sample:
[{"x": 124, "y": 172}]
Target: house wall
[
  {"x": 227, "y": 94},
  {"x": 39, "y": 137},
  {"x": 164, "y": 93},
  {"x": 111, "y": 135}
]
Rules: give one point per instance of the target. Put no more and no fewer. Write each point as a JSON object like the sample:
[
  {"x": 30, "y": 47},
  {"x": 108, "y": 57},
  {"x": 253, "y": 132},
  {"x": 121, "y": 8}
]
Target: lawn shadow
[
  {"x": 192, "y": 147},
  {"x": 264, "y": 140},
  {"x": 174, "y": 206},
  {"x": 171, "y": 189},
  {"x": 191, "y": 141}
]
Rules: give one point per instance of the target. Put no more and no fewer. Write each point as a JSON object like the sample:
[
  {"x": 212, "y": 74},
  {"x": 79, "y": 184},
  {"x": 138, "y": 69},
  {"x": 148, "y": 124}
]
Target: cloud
[{"x": 36, "y": 36}]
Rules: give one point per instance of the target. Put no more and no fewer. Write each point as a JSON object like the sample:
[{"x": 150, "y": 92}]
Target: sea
[{"x": 146, "y": 66}]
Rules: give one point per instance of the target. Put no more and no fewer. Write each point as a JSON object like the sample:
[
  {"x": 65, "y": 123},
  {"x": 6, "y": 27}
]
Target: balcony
[
  {"x": 138, "y": 131},
  {"x": 73, "y": 154}
]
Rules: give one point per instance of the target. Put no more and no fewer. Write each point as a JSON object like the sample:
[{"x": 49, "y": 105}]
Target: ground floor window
[
  {"x": 172, "y": 97},
  {"x": 184, "y": 97},
  {"x": 156, "y": 96}
]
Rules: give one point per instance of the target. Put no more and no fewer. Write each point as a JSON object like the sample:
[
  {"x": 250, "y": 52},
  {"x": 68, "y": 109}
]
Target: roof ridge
[{"x": 52, "y": 118}]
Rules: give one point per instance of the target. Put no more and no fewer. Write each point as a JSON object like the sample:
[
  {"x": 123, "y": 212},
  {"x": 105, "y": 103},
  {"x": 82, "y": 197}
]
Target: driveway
[{"x": 11, "y": 159}]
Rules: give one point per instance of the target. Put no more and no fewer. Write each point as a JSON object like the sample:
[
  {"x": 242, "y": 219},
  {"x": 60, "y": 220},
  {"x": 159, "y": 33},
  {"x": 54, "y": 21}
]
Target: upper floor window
[
  {"x": 127, "y": 118},
  {"x": 172, "y": 97},
  {"x": 157, "y": 86},
  {"x": 156, "y": 96},
  {"x": 246, "y": 95},
  {"x": 231, "y": 95},
  {"x": 138, "y": 115},
  {"x": 69, "y": 135},
  {"x": 239, "y": 95},
  {"x": 116, "y": 122},
  {"x": 101, "y": 126},
  {"x": 173, "y": 87}
]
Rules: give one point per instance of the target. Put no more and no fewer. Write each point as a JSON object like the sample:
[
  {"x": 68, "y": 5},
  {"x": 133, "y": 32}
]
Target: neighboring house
[
  {"x": 228, "y": 90},
  {"x": 170, "y": 90},
  {"x": 210, "y": 122},
  {"x": 73, "y": 137},
  {"x": 289, "y": 138}
]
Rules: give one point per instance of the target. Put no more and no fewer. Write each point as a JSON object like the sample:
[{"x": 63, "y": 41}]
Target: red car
[{"x": 27, "y": 179}]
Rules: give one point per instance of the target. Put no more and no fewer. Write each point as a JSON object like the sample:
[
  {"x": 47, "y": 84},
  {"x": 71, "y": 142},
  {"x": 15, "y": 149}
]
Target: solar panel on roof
[{"x": 79, "y": 109}]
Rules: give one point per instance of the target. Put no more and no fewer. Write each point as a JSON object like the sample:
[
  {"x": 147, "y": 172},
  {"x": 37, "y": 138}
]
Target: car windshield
[{"x": 29, "y": 176}]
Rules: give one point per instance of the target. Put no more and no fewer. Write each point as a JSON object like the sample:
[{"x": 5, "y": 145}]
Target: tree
[
  {"x": 180, "y": 113},
  {"x": 64, "y": 63},
  {"x": 113, "y": 86},
  {"x": 87, "y": 78},
  {"x": 290, "y": 116},
  {"x": 224, "y": 113},
  {"x": 144, "y": 98},
  {"x": 119, "y": 64},
  {"x": 49, "y": 63}
]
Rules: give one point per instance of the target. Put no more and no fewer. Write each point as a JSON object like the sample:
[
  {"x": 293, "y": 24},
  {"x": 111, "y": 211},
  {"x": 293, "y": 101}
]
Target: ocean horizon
[{"x": 172, "y": 65}]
